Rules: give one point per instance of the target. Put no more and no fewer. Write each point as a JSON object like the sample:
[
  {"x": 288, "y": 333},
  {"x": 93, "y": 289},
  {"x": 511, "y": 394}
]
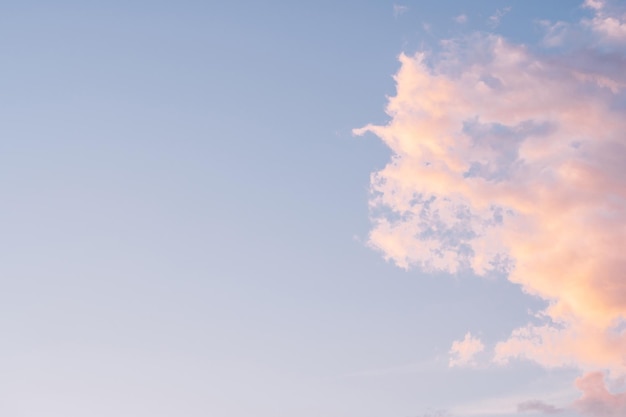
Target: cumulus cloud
[
  {"x": 463, "y": 352},
  {"x": 513, "y": 160},
  {"x": 608, "y": 21},
  {"x": 597, "y": 401}
]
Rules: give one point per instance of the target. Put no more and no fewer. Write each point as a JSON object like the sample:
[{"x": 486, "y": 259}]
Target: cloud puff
[
  {"x": 462, "y": 18},
  {"x": 514, "y": 160},
  {"x": 597, "y": 401},
  {"x": 608, "y": 21},
  {"x": 462, "y": 352}
]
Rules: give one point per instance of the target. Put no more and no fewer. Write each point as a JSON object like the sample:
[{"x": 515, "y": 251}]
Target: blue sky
[{"x": 186, "y": 222}]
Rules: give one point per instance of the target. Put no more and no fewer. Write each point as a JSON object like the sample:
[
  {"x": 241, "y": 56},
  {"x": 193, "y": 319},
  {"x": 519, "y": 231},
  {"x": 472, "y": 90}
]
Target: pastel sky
[{"x": 323, "y": 209}]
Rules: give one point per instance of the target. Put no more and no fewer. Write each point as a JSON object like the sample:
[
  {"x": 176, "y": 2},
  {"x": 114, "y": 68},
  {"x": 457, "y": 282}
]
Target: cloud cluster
[{"x": 512, "y": 159}]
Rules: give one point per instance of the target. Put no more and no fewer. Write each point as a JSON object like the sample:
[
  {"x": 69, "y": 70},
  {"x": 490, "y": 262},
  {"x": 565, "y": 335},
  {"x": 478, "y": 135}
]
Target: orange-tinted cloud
[{"x": 514, "y": 160}]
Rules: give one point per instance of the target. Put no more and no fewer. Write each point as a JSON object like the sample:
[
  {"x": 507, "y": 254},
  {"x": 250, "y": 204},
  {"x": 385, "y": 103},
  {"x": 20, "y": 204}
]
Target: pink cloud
[
  {"x": 510, "y": 160},
  {"x": 608, "y": 22},
  {"x": 463, "y": 352},
  {"x": 597, "y": 401}
]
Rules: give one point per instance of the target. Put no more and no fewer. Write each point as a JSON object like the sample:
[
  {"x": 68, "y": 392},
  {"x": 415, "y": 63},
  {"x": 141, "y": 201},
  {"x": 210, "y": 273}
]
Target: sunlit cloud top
[{"x": 511, "y": 159}]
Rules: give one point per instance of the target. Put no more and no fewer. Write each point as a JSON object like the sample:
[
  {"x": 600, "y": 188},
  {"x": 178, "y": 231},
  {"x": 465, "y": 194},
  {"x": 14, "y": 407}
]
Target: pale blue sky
[{"x": 185, "y": 215}]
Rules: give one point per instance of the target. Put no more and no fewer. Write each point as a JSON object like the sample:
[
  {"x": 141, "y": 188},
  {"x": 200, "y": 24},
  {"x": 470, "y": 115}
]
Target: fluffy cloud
[
  {"x": 608, "y": 22},
  {"x": 462, "y": 352},
  {"x": 511, "y": 159},
  {"x": 597, "y": 401}
]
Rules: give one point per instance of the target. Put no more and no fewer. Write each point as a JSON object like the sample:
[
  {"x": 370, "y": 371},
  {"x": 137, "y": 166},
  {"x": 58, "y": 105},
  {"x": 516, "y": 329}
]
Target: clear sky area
[{"x": 313, "y": 209}]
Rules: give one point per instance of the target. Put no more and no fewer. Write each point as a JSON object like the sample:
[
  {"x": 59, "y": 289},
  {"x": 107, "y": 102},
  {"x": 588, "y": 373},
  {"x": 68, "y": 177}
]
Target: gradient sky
[{"x": 330, "y": 209}]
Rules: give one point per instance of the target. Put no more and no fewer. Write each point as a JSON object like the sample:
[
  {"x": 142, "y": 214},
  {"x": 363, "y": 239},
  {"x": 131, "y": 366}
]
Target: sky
[{"x": 337, "y": 209}]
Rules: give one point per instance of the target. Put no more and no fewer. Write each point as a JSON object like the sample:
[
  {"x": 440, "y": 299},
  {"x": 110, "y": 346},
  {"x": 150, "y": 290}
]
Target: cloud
[
  {"x": 597, "y": 401},
  {"x": 399, "y": 9},
  {"x": 515, "y": 404},
  {"x": 594, "y": 4},
  {"x": 462, "y": 352},
  {"x": 537, "y": 406},
  {"x": 494, "y": 19},
  {"x": 461, "y": 18},
  {"x": 511, "y": 159},
  {"x": 555, "y": 33},
  {"x": 609, "y": 21}
]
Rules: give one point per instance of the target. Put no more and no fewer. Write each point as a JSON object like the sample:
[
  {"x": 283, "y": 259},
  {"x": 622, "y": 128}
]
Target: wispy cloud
[
  {"x": 399, "y": 10},
  {"x": 462, "y": 18},
  {"x": 510, "y": 405},
  {"x": 555, "y": 34},
  {"x": 513, "y": 161},
  {"x": 538, "y": 406},
  {"x": 496, "y": 18}
]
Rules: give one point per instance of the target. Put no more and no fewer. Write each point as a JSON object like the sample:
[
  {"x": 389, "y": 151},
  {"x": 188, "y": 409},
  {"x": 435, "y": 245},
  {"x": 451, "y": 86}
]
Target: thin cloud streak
[
  {"x": 538, "y": 406},
  {"x": 518, "y": 404}
]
